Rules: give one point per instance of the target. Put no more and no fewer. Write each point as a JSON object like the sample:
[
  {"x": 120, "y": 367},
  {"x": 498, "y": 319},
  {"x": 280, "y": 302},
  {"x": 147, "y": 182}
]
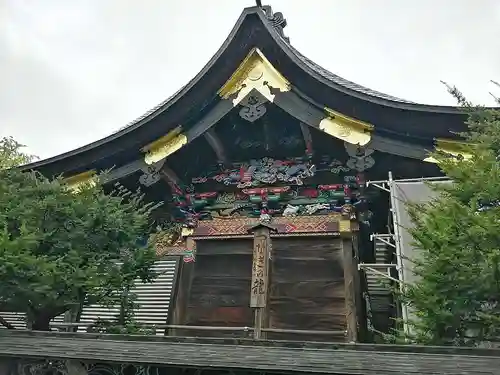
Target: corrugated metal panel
[
  {"x": 17, "y": 319},
  {"x": 153, "y": 298}
]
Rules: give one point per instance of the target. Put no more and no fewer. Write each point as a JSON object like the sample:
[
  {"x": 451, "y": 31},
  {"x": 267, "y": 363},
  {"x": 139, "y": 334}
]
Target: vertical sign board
[
  {"x": 260, "y": 278},
  {"x": 258, "y": 296}
]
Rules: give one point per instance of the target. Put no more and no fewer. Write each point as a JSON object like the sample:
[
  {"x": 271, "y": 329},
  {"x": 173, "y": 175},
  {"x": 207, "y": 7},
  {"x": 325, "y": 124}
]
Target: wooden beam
[
  {"x": 268, "y": 145},
  {"x": 216, "y": 144},
  {"x": 171, "y": 178},
  {"x": 300, "y": 108},
  {"x": 220, "y": 110},
  {"x": 306, "y": 134}
]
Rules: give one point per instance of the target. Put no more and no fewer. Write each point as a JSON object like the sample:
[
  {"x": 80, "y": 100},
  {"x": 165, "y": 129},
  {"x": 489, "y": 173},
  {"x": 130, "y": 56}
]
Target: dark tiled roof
[
  {"x": 344, "y": 82},
  {"x": 277, "y": 23},
  {"x": 151, "y": 111},
  {"x": 264, "y": 356},
  {"x": 309, "y": 63}
]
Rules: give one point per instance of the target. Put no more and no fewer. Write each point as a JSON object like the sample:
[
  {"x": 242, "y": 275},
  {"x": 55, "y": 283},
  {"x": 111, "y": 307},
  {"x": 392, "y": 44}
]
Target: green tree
[
  {"x": 11, "y": 154},
  {"x": 124, "y": 322},
  {"x": 456, "y": 299},
  {"x": 61, "y": 248}
]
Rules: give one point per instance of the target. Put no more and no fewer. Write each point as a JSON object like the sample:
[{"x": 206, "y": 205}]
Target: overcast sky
[{"x": 72, "y": 72}]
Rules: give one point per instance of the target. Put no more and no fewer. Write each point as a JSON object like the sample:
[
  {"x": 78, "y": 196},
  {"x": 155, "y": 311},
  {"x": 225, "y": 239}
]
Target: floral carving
[
  {"x": 253, "y": 108},
  {"x": 360, "y": 157}
]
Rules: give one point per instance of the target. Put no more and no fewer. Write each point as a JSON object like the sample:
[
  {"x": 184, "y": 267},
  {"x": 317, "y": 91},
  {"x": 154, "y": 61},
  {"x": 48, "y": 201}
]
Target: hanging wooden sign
[{"x": 258, "y": 293}]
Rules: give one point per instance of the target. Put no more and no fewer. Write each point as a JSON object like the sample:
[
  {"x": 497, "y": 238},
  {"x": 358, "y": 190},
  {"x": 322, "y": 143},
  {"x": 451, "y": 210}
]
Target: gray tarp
[{"x": 402, "y": 193}]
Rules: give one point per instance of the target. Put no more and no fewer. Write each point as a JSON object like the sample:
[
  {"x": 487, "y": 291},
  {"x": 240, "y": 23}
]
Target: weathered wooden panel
[
  {"x": 220, "y": 290},
  {"x": 328, "y": 288},
  {"x": 275, "y": 357},
  {"x": 236, "y": 265},
  {"x": 240, "y": 316},
  {"x": 311, "y": 305},
  {"x": 318, "y": 322},
  {"x": 292, "y": 270},
  {"x": 223, "y": 292},
  {"x": 307, "y": 289},
  {"x": 324, "y": 247},
  {"x": 224, "y": 247}
]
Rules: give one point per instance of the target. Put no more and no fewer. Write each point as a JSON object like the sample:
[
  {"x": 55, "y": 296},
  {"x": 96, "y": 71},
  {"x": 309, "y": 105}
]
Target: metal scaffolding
[{"x": 393, "y": 239}]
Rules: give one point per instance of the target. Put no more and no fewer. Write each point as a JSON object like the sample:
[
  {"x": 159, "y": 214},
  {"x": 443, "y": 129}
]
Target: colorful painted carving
[
  {"x": 265, "y": 171},
  {"x": 271, "y": 201},
  {"x": 291, "y": 210},
  {"x": 268, "y": 171},
  {"x": 267, "y": 188}
]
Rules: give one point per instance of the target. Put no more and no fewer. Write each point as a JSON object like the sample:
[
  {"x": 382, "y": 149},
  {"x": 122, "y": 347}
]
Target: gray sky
[{"x": 72, "y": 72}]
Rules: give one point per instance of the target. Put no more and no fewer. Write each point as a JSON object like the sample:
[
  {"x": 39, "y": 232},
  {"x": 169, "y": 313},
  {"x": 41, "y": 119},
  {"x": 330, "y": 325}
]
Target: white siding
[
  {"x": 153, "y": 298},
  {"x": 14, "y": 318}
]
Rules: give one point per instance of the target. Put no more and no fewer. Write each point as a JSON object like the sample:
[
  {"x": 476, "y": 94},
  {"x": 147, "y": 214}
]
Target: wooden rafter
[
  {"x": 216, "y": 144},
  {"x": 171, "y": 178},
  {"x": 307, "y": 137}
]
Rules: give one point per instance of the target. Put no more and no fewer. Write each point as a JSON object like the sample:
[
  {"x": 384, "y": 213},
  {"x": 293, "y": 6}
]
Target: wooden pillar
[
  {"x": 182, "y": 293},
  {"x": 350, "y": 272},
  {"x": 261, "y": 272}
]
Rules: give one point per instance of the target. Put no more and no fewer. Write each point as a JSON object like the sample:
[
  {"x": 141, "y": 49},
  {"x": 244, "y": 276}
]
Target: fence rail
[{"x": 247, "y": 330}]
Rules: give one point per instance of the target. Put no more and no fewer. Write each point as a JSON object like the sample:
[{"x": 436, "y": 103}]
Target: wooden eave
[{"x": 392, "y": 117}]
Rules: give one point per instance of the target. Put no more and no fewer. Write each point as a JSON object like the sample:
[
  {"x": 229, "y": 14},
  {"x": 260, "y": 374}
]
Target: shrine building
[{"x": 262, "y": 161}]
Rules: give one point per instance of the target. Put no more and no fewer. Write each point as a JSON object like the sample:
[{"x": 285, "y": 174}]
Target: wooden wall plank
[
  {"x": 224, "y": 247},
  {"x": 308, "y": 290},
  {"x": 220, "y": 290},
  {"x": 324, "y": 288}
]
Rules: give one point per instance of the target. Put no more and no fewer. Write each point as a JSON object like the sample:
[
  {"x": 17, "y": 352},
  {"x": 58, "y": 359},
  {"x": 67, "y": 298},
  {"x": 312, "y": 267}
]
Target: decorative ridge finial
[
  {"x": 259, "y": 3},
  {"x": 277, "y": 20}
]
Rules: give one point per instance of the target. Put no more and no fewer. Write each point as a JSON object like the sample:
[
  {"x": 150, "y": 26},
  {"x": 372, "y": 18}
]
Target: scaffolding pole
[
  {"x": 372, "y": 267},
  {"x": 389, "y": 186},
  {"x": 397, "y": 245}
]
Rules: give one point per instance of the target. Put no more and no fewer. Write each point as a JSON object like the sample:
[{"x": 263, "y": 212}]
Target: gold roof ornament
[
  {"x": 457, "y": 149},
  {"x": 255, "y": 72},
  {"x": 346, "y": 128},
  {"x": 164, "y": 146},
  {"x": 77, "y": 181}
]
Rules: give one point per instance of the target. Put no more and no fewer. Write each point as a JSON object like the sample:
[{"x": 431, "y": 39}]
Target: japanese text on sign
[{"x": 259, "y": 273}]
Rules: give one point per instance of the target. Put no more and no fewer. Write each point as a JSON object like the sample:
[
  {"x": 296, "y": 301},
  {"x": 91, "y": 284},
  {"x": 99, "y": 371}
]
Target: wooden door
[{"x": 220, "y": 289}]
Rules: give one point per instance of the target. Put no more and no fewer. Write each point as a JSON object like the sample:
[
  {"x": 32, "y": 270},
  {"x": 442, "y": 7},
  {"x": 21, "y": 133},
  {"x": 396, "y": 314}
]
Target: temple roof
[
  {"x": 278, "y": 30},
  {"x": 259, "y": 29},
  {"x": 334, "y": 78}
]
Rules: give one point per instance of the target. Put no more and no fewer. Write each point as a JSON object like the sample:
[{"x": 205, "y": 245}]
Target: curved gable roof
[
  {"x": 240, "y": 40},
  {"x": 326, "y": 74}
]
